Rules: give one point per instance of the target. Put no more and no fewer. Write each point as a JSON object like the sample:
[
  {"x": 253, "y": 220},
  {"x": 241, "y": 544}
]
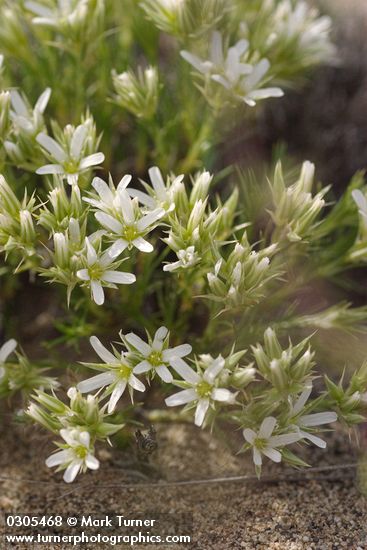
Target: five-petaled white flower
[
  {"x": 117, "y": 374},
  {"x": 309, "y": 420},
  {"x": 154, "y": 357},
  {"x": 264, "y": 443},
  {"x": 203, "y": 391},
  {"x": 77, "y": 455},
  {"x": 69, "y": 161},
  {"x": 108, "y": 197},
  {"x": 28, "y": 120},
  {"x": 160, "y": 195},
  {"x": 130, "y": 226},
  {"x": 5, "y": 350},
  {"x": 186, "y": 258},
  {"x": 241, "y": 78},
  {"x": 98, "y": 272}
]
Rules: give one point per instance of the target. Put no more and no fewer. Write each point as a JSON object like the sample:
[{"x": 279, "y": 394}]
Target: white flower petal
[
  {"x": 186, "y": 372},
  {"x": 42, "y": 101},
  {"x": 178, "y": 351},
  {"x": 273, "y": 454},
  {"x": 6, "y": 349},
  {"x": 172, "y": 266},
  {"x": 201, "y": 66},
  {"x": 143, "y": 198},
  {"x": 52, "y": 147},
  {"x": 222, "y": 394},
  {"x": 249, "y": 435},
  {"x": 161, "y": 333},
  {"x": 124, "y": 182},
  {"x": 264, "y": 93},
  {"x": 50, "y": 169},
  {"x": 116, "y": 394},
  {"x": 257, "y": 458},
  {"x": 164, "y": 374},
  {"x": 102, "y": 352},
  {"x": 157, "y": 181},
  {"x": 216, "y": 49},
  {"x": 69, "y": 435},
  {"x": 260, "y": 69},
  {"x": 119, "y": 277},
  {"x": 83, "y": 274},
  {"x": 117, "y": 248},
  {"x": 283, "y": 439},
  {"x": 181, "y": 398},
  {"x": 136, "y": 383},
  {"x": 103, "y": 190},
  {"x": 267, "y": 427},
  {"x": 91, "y": 160},
  {"x": 84, "y": 438},
  {"x": 18, "y": 104},
  {"x": 126, "y": 207},
  {"x": 149, "y": 219},
  {"x": 109, "y": 222},
  {"x": 314, "y": 439},
  {"x": 77, "y": 141},
  {"x": 139, "y": 344},
  {"x": 318, "y": 418},
  {"x": 142, "y": 245},
  {"x": 214, "y": 369},
  {"x": 91, "y": 252},
  {"x": 221, "y": 80},
  {"x": 143, "y": 366},
  {"x": 359, "y": 199},
  {"x": 201, "y": 410},
  {"x": 96, "y": 382},
  {"x": 91, "y": 462},
  {"x": 72, "y": 470},
  {"x": 302, "y": 400},
  {"x": 58, "y": 458}
]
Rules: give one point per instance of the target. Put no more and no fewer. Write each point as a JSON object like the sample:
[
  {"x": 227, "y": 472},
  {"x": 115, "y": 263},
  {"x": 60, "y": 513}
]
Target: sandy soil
[{"x": 287, "y": 510}]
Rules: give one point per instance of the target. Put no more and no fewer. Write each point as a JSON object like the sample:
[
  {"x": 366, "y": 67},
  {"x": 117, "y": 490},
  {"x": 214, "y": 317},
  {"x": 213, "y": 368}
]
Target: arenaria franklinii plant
[{"x": 114, "y": 189}]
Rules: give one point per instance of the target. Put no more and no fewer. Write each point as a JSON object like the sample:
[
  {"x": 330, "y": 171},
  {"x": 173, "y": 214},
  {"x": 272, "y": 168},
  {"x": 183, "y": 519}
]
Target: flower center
[
  {"x": 71, "y": 166},
  {"x": 155, "y": 358},
  {"x": 260, "y": 443},
  {"x": 130, "y": 233},
  {"x": 95, "y": 271},
  {"x": 81, "y": 452},
  {"x": 124, "y": 371},
  {"x": 204, "y": 389}
]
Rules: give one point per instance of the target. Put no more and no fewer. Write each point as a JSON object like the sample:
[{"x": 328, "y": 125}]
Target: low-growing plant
[{"x": 201, "y": 270}]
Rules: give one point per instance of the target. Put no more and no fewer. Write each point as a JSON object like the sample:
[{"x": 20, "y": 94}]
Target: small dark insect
[{"x": 146, "y": 442}]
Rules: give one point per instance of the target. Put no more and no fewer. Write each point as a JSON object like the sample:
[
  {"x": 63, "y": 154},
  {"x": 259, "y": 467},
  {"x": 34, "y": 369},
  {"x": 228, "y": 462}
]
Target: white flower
[
  {"x": 69, "y": 162},
  {"x": 64, "y": 12},
  {"x": 244, "y": 80},
  {"x": 5, "y": 350},
  {"x": 130, "y": 226},
  {"x": 28, "y": 120},
  {"x": 186, "y": 258},
  {"x": 76, "y": 457},
  {"x": 108, "y": 196},
  {"x": 154, "y": 356},
  {"x": 361, "y": 202},
  {"x": 117, "y": 375},
  {"x": 298, "y": 22},
  {"x": 162, "y": 195},
  {"x": 263, "y": 443},
  {"x": 203, "y": 391},
  {"x": 310, "y": 420},
  {"x": 98, "y": 272}
]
